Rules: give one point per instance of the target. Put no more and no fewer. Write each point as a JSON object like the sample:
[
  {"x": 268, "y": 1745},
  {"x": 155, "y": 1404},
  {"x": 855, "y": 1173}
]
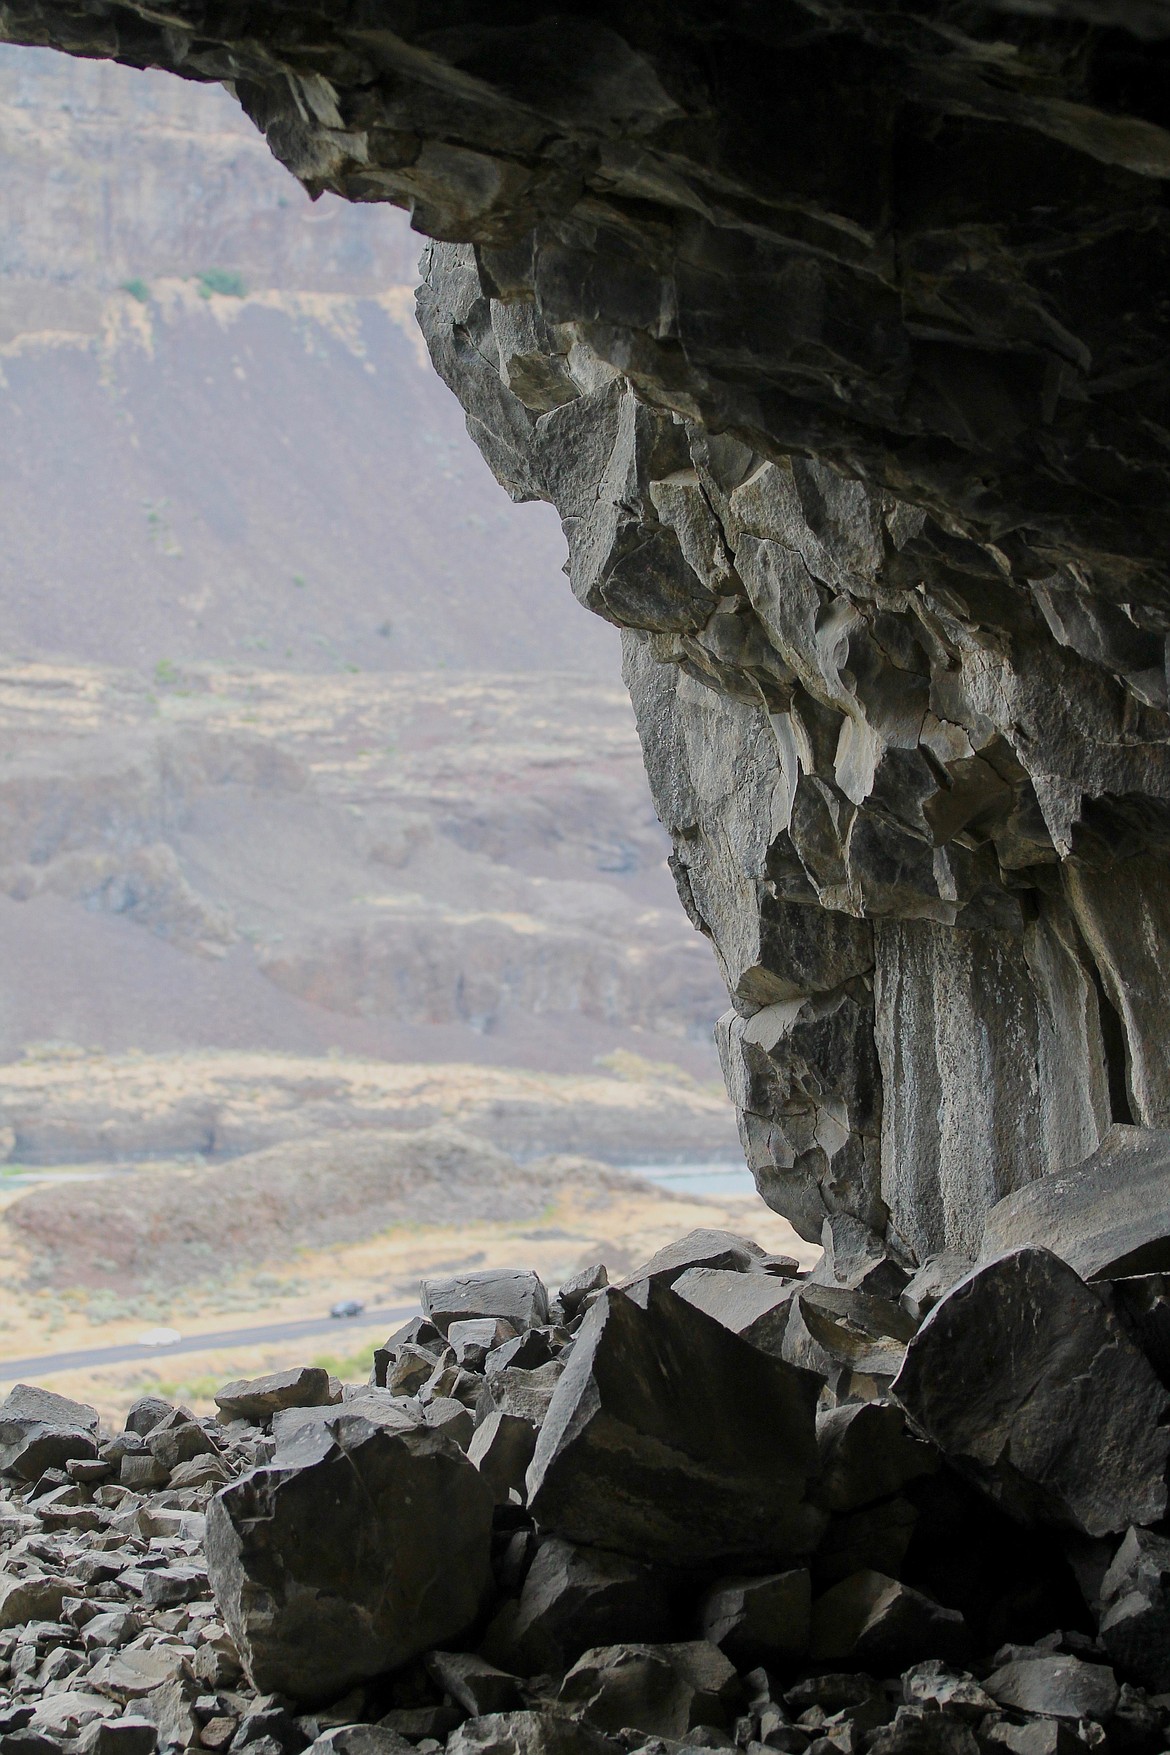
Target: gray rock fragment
[
  {"x": 878, "y": 1623},
  {"x": 1134, "y": 1624},
  {"x": 856, "y": 1257},
  {"x": 257, "y": 1399},
  {"x": 701, "y": 1248},
  {"x": 361, "y": 1739},
  {"x": 410, "y": 1368},
  {"x": 866, "y": 1453},
  {"x": 41, "y": 1430},
  {"x": 511, "y": 1294},
  {"x": 918, "y": 1730},
  {"x": 144, "y": 1414},
  {"x": 759, "y": 1620},
  {"x": 474, "y": 1684},
  {"x": 472, "y": 1340},
  {"x": 178, "y": 1439},
  {"x": 934, "y": 1683},
  {"x": 661, "y": 1690},
  {"x": 670, "y": 1438},
  {"x": 171, "y": 1707},
  {"x": 932, "y": 1281},
  {"x": 752, "y": 1305},
  {"x": 1056, "y": 1687},
  {"x": 119, "y": 1736},
  {"x": 525, "y": 1394},
  {"x": 1028, "y": 1384},
  {"x": 1106, "y": 1218},
  {"x": 444, "y": 1414},
  {"x": 575, "y": 1597},
  {"x": 833, "y": 1330},
  {"x": 352, "y": 1552},
  {"x": 528, "y": 1733},
  {"x": 579, "y": 1286},
  {"x": 501, "y": 1448}
]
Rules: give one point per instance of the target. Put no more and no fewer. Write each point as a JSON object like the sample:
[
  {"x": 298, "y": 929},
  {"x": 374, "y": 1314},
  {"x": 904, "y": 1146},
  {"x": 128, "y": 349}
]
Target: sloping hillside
[{"x": 304, "y": 743}]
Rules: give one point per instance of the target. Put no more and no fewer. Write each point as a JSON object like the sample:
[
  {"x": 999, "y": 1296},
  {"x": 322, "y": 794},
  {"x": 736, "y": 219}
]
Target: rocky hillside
[
  {"x": 215, "y": 408},
  {"x": 257, "y": 791}
]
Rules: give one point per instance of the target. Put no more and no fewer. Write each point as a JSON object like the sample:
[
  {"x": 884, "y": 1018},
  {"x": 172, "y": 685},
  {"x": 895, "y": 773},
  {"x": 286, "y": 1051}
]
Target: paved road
[{"x": 228, "y": 1337}]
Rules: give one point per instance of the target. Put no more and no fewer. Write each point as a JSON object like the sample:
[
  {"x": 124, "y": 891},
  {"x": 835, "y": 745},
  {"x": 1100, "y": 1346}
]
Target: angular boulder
[
  {"x": 1055, "y": 1687},
  {"x": 866, "y": 1453},
  {"x": 511, "y": 1294},
  {"x": 759, "y": 1620},
  {"x": 700, "y": 1248},
  {"x": 1134, "y": 1625},
  {"x": 754, "y": 1306},
  {"x": 355, "y": 1550},
  {"x": 257, "y": 1398},
  {"x": 669, "y": 1438},
  {"x": 501, "y": 1449},
  {"x": 472, "y": 1683},
  {"x": 41, "y": 1430},
  {"x": 660, "y": 1690},
  {"x": 574, "y": 1598},
  {"x": 856, "y": 1257},
  {"x": 1030, "y": 1386},
  {"x": 1108, "y": 1217},
  {"x": 832, "y": 1329},
  {"x": 876, "y": 1623}
]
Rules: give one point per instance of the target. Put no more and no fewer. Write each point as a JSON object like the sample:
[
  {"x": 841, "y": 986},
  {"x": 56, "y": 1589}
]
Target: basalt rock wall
[{"x": 838, "y": 338}]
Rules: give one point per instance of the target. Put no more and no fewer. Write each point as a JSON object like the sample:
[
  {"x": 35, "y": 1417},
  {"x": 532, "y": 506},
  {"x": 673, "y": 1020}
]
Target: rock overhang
[{"x": 837, "y": 339}]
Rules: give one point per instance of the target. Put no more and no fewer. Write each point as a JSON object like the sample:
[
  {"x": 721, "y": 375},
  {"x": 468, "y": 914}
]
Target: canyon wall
[{"x": 838, "y": 338}]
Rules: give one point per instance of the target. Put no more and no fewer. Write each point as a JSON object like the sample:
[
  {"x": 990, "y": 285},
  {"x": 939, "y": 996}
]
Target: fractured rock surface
[
  {"x": 355, "y": 1549},
  {"x": 670, "y": 1438},
  {"x": 1022, "y": 1377}
]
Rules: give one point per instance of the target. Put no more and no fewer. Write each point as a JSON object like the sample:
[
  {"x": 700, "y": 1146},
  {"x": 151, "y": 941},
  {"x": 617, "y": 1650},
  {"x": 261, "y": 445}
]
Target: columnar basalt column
[{"x": 838, "y": 338}]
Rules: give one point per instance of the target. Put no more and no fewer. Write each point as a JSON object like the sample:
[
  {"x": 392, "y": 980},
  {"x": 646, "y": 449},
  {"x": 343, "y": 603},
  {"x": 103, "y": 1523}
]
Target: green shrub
[
  {"x": 137, "y": 289},
  {"x": 227, "y": 282}
]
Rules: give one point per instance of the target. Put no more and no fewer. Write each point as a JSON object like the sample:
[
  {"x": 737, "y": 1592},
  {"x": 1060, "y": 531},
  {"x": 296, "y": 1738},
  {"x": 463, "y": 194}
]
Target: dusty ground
[
  {"x": 621, "y": 1227},
  {"x": 75, "y": 1107}
]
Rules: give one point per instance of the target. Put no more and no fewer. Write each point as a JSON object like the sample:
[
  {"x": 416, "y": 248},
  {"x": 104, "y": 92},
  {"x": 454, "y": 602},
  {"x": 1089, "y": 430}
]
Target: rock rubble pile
[{"x": 723, "y": 1505}]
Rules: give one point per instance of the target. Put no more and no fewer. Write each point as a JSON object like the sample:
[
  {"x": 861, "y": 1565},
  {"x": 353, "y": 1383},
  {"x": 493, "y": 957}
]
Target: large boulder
[
  {"x": 41, "y": 1430},
  {"x": 660, "y": 1690},
  {"x": 669, "y": 1438},
  {"x": 355, "y": 1550},
  {"x": 706, "y": 1248},
  {"x": 512, "y": 1294},
  {"x": 761, "y": 1620},
  {"x": 258, "y": 1398},
  {"x": 1027, "y": 1383},
  {"x": 1056, "y": 1687},
  {"x": 574, "y": 1598},
  {"x": 872, "y": 1622},
  {"x": 1108, "y": 1217},
  {"x": 752, "y": 1305}
]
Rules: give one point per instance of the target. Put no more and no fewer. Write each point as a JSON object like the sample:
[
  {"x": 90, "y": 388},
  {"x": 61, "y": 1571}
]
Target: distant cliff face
[
  {"x": 110, "y": 178},
  {"x": 232, "y": 483},
  {"x": 215, "y": 404}
]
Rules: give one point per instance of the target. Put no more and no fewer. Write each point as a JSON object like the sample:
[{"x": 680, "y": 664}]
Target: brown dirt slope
[{"x": 185, "y": 1225}]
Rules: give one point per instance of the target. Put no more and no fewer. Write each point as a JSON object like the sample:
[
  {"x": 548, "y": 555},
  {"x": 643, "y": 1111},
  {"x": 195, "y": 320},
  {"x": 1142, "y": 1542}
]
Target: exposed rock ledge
[{"x": 838, "y": 337}]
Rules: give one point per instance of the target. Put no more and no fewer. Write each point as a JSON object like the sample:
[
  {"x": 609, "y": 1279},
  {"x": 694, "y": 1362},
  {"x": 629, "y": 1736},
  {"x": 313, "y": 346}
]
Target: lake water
[{"x": 717, "y": 1179}]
